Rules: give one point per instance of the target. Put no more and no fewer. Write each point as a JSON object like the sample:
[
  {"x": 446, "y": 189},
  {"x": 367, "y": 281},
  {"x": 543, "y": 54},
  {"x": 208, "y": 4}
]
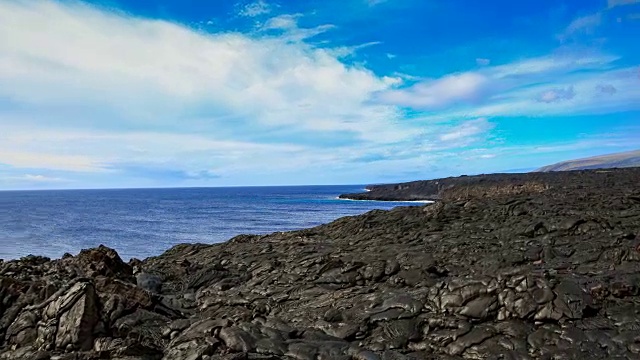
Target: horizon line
[{"x": 509, "y": 171}]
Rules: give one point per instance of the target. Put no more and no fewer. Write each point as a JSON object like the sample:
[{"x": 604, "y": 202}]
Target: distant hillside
[{"x": 619, "y": 160}]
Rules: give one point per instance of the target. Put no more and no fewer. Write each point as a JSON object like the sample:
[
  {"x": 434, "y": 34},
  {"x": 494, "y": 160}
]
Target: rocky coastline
[
  {"x": 524, "y": 266},
  {"x": 434, "y": 190}
]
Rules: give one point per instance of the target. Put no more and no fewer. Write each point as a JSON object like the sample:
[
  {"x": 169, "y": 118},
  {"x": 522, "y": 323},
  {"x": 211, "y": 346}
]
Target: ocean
[{"x": 146, "y": 222}]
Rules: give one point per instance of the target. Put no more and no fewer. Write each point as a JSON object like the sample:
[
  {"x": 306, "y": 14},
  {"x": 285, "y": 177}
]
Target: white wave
[{"x": 390, "y": 201}]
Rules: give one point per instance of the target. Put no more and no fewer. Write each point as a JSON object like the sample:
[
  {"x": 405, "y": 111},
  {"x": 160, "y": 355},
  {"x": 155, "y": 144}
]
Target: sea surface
[{"x": 146, "y": 222}]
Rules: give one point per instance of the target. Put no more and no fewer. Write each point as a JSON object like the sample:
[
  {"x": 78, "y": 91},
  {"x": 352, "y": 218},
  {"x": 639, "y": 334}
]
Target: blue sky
[{"x": 141, "y": 93}]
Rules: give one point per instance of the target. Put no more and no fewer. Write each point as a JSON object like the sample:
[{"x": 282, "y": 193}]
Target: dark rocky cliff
[
  {"x": 539, "y": 266},
  {"x": 436, "y": 189}
]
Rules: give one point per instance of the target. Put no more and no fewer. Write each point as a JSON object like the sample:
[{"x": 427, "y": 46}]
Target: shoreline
[
  {"x": 400, "y": 203},
  {"x": 388, "y": 201},
  {"x": 217, "y": 216}
]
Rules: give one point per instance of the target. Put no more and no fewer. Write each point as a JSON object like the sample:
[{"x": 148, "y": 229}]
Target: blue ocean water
[{"x": 145, "y": 222}]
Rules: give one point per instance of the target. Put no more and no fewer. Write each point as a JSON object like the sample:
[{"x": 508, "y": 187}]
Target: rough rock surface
[{"x": 544, "y": 268}]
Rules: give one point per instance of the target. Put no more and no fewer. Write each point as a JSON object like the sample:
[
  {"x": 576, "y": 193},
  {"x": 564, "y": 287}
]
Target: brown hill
[{"x": 618, "y": 160}]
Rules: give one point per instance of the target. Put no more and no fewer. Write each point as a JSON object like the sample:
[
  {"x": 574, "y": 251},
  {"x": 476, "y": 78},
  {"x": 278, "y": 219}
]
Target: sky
[{"x": 179, "y": 93}]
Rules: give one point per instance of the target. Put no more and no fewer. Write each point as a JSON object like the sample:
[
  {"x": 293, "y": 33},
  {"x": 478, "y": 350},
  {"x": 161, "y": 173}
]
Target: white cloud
[
  {"x": 375, "y": 2},
  {"x": 147, "y": 158},
  {"x": 52, "y": 149},
  {"x": 254, "y": 9},
  {"x": 41, "y": 178},
  {"x": 449, "y": 90},
  {"x": 483, "y": 62},
  {"x": 282, "y": 22},
  {"x": 589, "y": 24},
  {"x": 582, "y": 25},
  {"x": 614, "y": 3},
  {"x": 539, "y": 87},
  {"x": 42, "y": 160},
  {"x": 154, "y": 73},
  {"x": 606, "y": 89},
  {"x": 467, "y": 130},
  {"x": 86, "y": 78},
  {"x": 474, "y": 88},
  {"x": 345, "y": 51},
  {"x": 555, "y": 95},
  {"x": 10, "y": 179},
  {"x": 587, "y": 98},
  {"x": 552, "y": 64},
  {"x": 287, "y": 26}
]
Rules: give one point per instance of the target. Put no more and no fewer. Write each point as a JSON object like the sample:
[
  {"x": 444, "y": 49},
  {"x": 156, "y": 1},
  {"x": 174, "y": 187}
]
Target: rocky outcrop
[
  {"x": 479, "y": 186},
  {"x": 541, "y": 268},
  {"x": 455, "y": 187}
]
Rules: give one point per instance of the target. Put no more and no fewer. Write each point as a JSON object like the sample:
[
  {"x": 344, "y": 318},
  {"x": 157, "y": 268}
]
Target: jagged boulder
[
  {"x": 101, "y": 261},
  {"x": 77, "y": 314}
]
